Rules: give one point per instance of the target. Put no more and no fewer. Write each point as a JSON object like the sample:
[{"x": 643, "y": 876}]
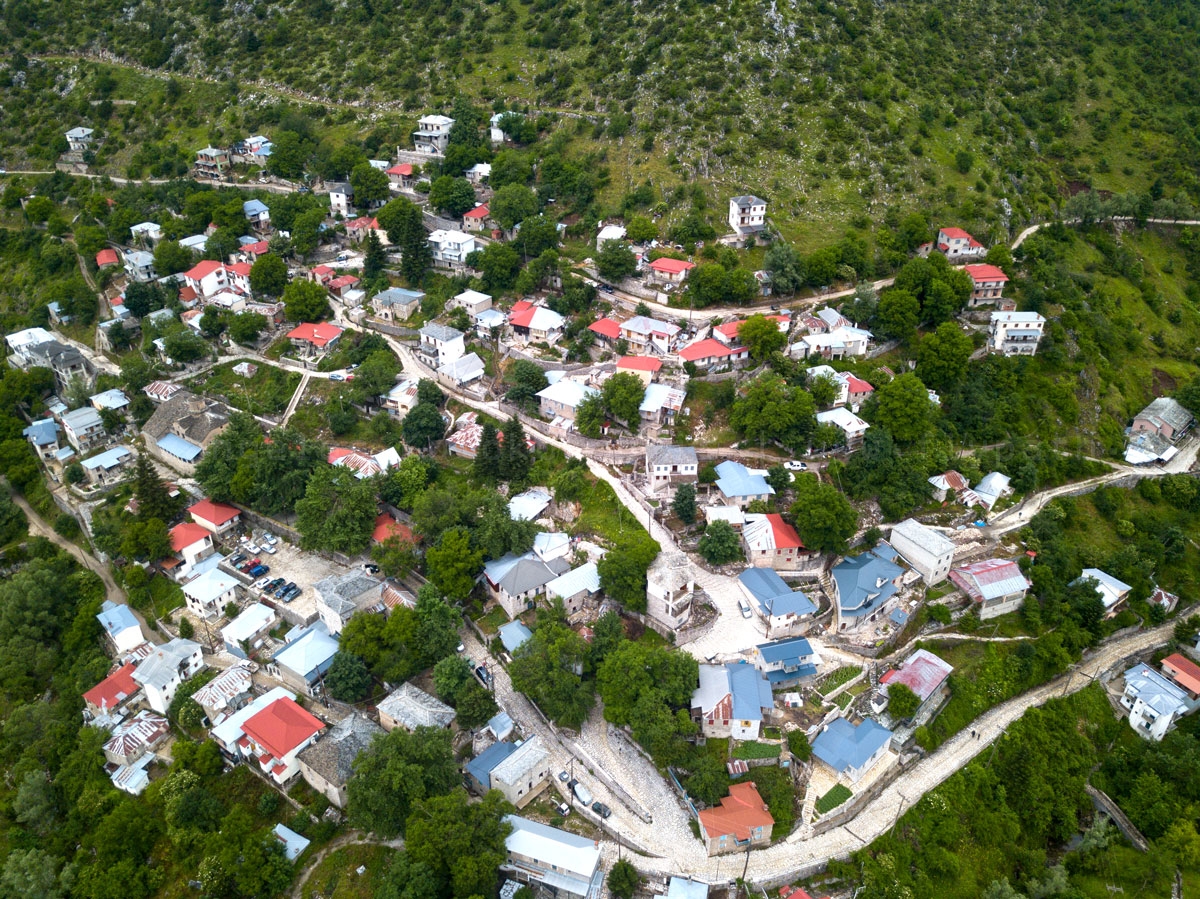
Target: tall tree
[
  {"x": 374, "y": 257},
  {"x": 514, "y": 453},
  {"x": 487, "y": 457},
  {"x": 761, "y": 336},
  {"x": 783, "y": 264},
  {"x": 269, "y": 275},
  {"x": 461, "y": 842},
  {"x": 154, "y": 500},
  {"x": 943, "y": 355},
  {"x": 398, "y": 770},
  {"x": 720, "y": 544},
  {"x": 305, "y": 301},
  {"x": 623, "y": 394},
  {"x": 405, "y": 227},
  {"x": 902, "y": 406},
  {"x": 453, "y": 196},
  {"x": 452, "y": 565},
  {"x": 824, "y": 518},
  {"x": 684, "y": 504},
  {"x": 337, "y": 511},
  {"x": 423, "y": 425},
  {"x": 512, "y": 204},
  {"x": 370, "y": 185}
]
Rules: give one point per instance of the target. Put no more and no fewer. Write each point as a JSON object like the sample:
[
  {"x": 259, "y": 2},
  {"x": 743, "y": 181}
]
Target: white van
[
  {"x": 744, "y": 606},
  {"x": 582, "y": 794}
]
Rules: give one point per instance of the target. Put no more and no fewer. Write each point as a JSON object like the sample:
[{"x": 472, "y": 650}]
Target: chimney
[{"x": 196, "y": 404}]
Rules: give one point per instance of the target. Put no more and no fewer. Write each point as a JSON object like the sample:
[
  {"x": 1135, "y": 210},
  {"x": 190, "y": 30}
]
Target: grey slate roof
[
  {"x": 333, "y": 755},
  {"x": 438, "y": 331},
  {"x": 1165, "y": 410},
  {"x": 665, "y": 454},
  {"x": 412, "y": 707}
]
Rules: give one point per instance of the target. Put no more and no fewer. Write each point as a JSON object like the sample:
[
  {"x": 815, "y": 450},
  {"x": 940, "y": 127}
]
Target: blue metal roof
[
  {"x": 734, "y": 479},
  {"x": 42, "y": 432},
  {"x": 254, "y": 207},
  {"x": 858, "y": 580},
  {"x": 763, "y": 583},
  {"x": 116, "y": 618},
  {"x": 899, "y": 617},
  {"x": 482, "y": 765},
  {"x": 785, "y": 650},
  {"x": 179, "y": 448},
  {"x": 108, "y": 459},
  {"x": 779, "y": 675},
  {"x": 513, "y": 635},
  {"x": 750, "y": 691},
  {"x": 842, "y": 745}
]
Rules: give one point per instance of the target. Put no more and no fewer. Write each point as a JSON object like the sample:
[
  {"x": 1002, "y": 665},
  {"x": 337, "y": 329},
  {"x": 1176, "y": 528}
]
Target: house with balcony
[
  {"x": 247, "y": 631},
  {"x": 307, "y": 656},
  {"x": 276, "y": 735},
  {"x": 121, "y": 628},
  {"x": 208, "y": 594},
  {"x": 258, "y": 216},
  {"x": 957, "y": 245},
  {"x": 83, "y": 428},
  {"x": 670, "y": 589},
  {"x": 116, "y": 691},
  {"x": 536, "y": 324},
  {"x": 43, "y": 436},
  {"x": 561, "y": 400},
  {"x": 400, "y": 177},
  {"x": 739, "y": 822},
  {"x": 1112, "y": 592},
  {"x": 167, "y": 666},
  {"x": 451, "y": 249},
  {"x": 643, "y": 333},
  {"x": 216, "y": 518},
  {"x": 747, "y": 215},
  {"x": 478, "y": 220},
  {"x": 79, "y": 139},
  {"x": 566, "y": 865},
  {"x": 341, "y": 199},
  {"x": 146, "y": 234},
  {"x": 441, "y": 343},
  {"x": 865, "y": 587},
  {"x": 311, "y": 340},
  {"x": 1154, "y": 703},
  {"x": 712, "y": 355},
  {"x": 67, "y": 363},
  {"x": 668, "y": 465},
  {"x": 787, "y": 663},
  {"x": 432, "y": 134},
  {"x": 212, "y": 163},
  {"x": 1164, "y": 417},
  {"x": 787, "y": 612},
  {"x": 842, "y": 342},
  {"x": 853, "y": 428},
  {"x": 732, "y": 701},
  {"x": 1015, "y": 333},
  {"x": 987, "y": 284}
]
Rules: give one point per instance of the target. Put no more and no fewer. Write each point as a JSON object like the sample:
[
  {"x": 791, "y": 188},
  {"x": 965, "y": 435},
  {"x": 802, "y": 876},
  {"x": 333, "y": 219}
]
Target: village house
[
  {"x": 1155, "y": 704},
  {"x": 747, "y": 215},
  {"x": 328, "y": 764},
  {"x": 1185, "y": 674},
  {"x": 995, "y": 586},
  {"x": 340, "y": 596},
  {"x": 182, "y": 427},
  {"x": 109, "y": 467},
  {"x": 146, "y": 234},
  {"x": 341, "y": 199},
  {"x": 851, "y": 750},
  {"x": 853, "y": 428},
  {"x": 956, "y": 245},
  {"x": 107, "y": 258},
  {"x": 575, "y": 587},
  {"x": 169, "y": 665},
  {"x": 302, "y": 663},
  {"x": 787, "y": 662},
  {"x": 479, "y": 173},
  {"x": 609, "y": 233},
  {"x": 358, "y": 229},
  {"x": 668, "y": 465},
  {"x": 516, "y": 582},
  {"x": 536, "y": 324},
  {"x": 1111, "y": 591},
  {"x": 276, "y": 735},
  {"x": 227, "y": 732},
  {"x": 520, "y": 773},
  {"x": 865, "y": 586},
  {"x": 566, "y": 865},
  {"x": 258, "y": 216},
  {"x": 993, "y": 487},
  {"x": 432, "y": 134},
  {"x": 114, "y": 400},
  {"x": 770, "y": 542},
  {"x": 217, "y": 518},
  {"x": 838, "y": 343},
  {"x": 411, "y": 707},
  {"x": 660, "y": 404},
  {"x": 787, "y": 612},
  {"x": 227, "y": 692},
  {"x": 246, "y": 632},
  {"x": 310, "y": 340},
  {"x": 667, "y": 271},
  {"x": 441, "y": 343},
  {"x": 451, "y": 249},
  {"x": 928, "y": 551},
  {"x": 67, "y": 363},
  {"x": 850, "y": 390},
  {"x": 399, "y": 401},
  {"x": 212, "y": 163},
  {"x": 561, "y": 400},
  {"x": 79, "y": 139},
  {"x": 132, "y": 739},
  {"x": 1015, "y": 333},
  {"x": 396, "y": 304},
  {"x": 926, "y": 674},
  {"x": 478, "y": 219},
  {"x": 731, "y": 701},
  {"x": 83, "y": 428},
  {"x": 987, "y": 284},
  {"x": 727, "y": 332},
  {"x": 113, "y": 693},
  {"x": 43, "y": 437},
  {"x": 209, "y": 593},
  {"x": 472, "y": 301},
  {"x": 740, "y": 821},
  {"x": 121, "y": 628},
  {"x": 400, "y": 177},
  {"x": 646, "y": 368},
  {"x": 739, "y": 486},
  {"x": 139, "y": 266},
  {"x": 709, "y": 354},
  {"x": 606, "y": 330},
  {"x": 670, "y": 588},
  {"x": 1164, "y": 417}
]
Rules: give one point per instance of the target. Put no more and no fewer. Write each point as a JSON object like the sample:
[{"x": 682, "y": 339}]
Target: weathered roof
[
  {"x": 438, "y": 331},
  {"x": 333, "y": 755},
  {"x": 529, "y": 505},
  {"x": 412, "y": 707},
  {"x": 230, "y": 683},
  {"x": 1169, "y": 412},
  {"x": 1111, "y": 590},
  {"x": 481, "y": 767},
  {"x": 82, "y": 419},
  {"x": 922, "y": 672},
  {"x": 513, "y": 635},
  {"x": 989, "y": 579},
  {"x": 933, "y": 542},
  {"x": 253, "y": 619},
  {"x": 666, "y": 454},
  {"x": 137, "y": 735},
  {"x": 585, "y": 577},
  {"x": 310, "y": 653},
  {"x": 162, "y": 665},
  {"x": 109, "y": 399}
]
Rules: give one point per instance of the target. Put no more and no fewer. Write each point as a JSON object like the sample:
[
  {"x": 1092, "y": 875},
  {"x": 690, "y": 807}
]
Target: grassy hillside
[{"x": 984, "y": 111}]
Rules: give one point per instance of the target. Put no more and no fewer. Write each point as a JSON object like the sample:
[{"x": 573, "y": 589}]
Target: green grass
[
  {"x": 492, "y": 621},
  {"x": 267, "y": 392},
  {"x": 336, "y": 876},
  {"x": 836, "y": 678},
  {"x": 831, "y": 800},
  {"x": 752, "y": 749},
  {"x": 165, "y": 595}
]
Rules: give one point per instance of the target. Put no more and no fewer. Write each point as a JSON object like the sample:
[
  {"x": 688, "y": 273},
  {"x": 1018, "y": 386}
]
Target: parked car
[
  {"x": 582, "y": 793},
  {"x": 260, "y": 583},
  {"x": 481, "y": 672},
  {"x": 273, "y": 585},
  {"x": 270, "y": 538},
  {"x": 237, "y": 559},
  {"x": 259, "y": 570},
  {"x": 795, "y": 466},
  {"x": 564, "y": 776},
  {"x": 269, "y": 549},
  {"x": 253, "y": 548},
  {"x": 563, "y": 809},
  {"x": 337, "y": 377},
  {"x": 461, "y": 647},
  {"x": 292, "y": 593},
  {"x": 352, "y": 366},
  {"x": 601, "y": 809},
  {"x": 284, "y": 589},
  {"x": 744, "y": 607}
]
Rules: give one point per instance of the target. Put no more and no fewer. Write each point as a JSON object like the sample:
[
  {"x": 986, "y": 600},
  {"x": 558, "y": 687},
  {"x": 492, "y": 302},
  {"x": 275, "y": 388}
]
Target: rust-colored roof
[
  {"x": 1183, "y": 671},
  {"x": 740, "y": 813},
  {"x": 106, "y": 257},
  {"x": 639, "y": 363},
  {"x": 185, "y": 534},
  {"x": 113, "y": 690},
  {"x": 217, "y": 513},
  {"x": 386, "y": 526}
]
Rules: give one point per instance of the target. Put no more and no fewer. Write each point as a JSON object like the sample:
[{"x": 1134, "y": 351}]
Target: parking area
[{"x": 302, "y": 568}]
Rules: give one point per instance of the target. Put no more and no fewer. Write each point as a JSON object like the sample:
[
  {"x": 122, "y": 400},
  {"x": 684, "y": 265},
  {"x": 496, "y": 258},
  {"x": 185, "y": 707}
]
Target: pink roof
[
  {"x": 186, "y": 534},
  {"x": 203, "y": 269},
  {"x": 606, "y": 327},
  {"x": 217, "y": 513},
  {"x": 258, "y": 249},
  {"x": 363, "y": 221},
  {"x": 281, "y": 727},
  {"x": 403, "y": 168},
  {"x": 521, "y": 305},
  {"x": 639, "y": 363},
  {"x": 479, "y": 212},
  {"x": 342, "y": 281},
  {"x": 704, "y": 349},
  {"x": 523, "y": 318},
  {"x": 956, "y": 233},
  {"x": 922, "y": 672},
  {"x": 858, "y": 385},
  {"x": 322, "y": 270},
  {"x": 985, "y": 273},
  {"x": 730, "y": 329},
  {"x": 240, "y": 268},
  {"x": 113, "y": 690},
  {"x": 318, "y": 335},
  {"x": 106, "y": 257},
  {"x": 671, "y": 266}
]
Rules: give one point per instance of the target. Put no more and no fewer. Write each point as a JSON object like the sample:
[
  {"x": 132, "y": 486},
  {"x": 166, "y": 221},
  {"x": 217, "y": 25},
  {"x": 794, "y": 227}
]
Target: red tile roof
[
  {"x": 187, "y": 293},
  {"x": 258, "y": 249},
  {"x": 956, "y": 233},
  {"x": 639, "y": 363},
  {"x": 322, "y": 270},
  {"x": 785, "y": 535},
  {"x": 704, "y": 349},
  {"x": 203, "y": 269},
  {"x": 403, "y": 168},
  {"x": 1183, "y": 671},
  {"x": 317, "y": 334},
  {"x": 240, "y": 268},
  {"x": 523, "y": 317},
  {"x": 521, "y": 305},
  {"x": 479, "y": 212},
  {"x": 739, "y": 813},
  {"x": 363, "y": 221},
  {"x": 342, "y": 281},
  {"x": 985, "y": 273},
  {"x": 106, "y": 257},
  {"x": 858, "y": 385},
  {"x": 606, "y": 327},
  {"x": 671, "y": 266},
  {"x": 217, "y": 513},
  {"x": 386, "y": 526},
  {"x": 113, "y": 690},
  {"x": 730, "y": 329},
  {"x": 184, "y": 535},
  {"x": 281, "y": 727}
]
